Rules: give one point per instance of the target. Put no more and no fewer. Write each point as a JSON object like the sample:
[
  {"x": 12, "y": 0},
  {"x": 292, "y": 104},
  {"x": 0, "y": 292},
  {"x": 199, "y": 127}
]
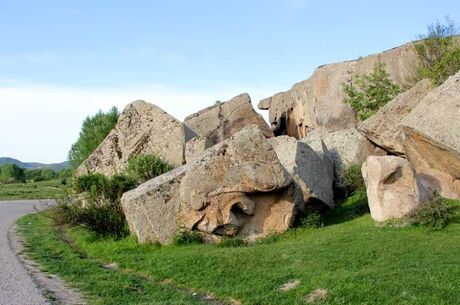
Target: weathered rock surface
[
  {"x": 218, "y": 182},
  {"x": 142, "y": 128},
  {"x": 221, "y": 121},
  {"x": 393, "y": 191},
  {"x": 153, "y": 210},
  {"x": 384, "y": 127},
  {"x": 312, "y": 175},
  {"x": 346, "y": 147},
  {"x": 318, "y": 101},
  {"x": 432, "y": 138},
  {"x": 196, "y": 147}
]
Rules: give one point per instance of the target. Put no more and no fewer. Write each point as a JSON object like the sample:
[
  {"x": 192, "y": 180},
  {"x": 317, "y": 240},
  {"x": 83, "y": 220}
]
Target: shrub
[
  {"x": 232, "y": 242},
  {"x": 351, "y": 180},
  {"x": 367, "y": 93},
  {"x": 439, "y": 52},
  {"x": 312, "y": 219},
  {"x": 93, "y": 132},
  {"x": 97, "y": 186},
  {"x": 186, "y": 237},
  {"x": 436, "y": 213},
  {"x": 41, "y": 174},
  {"x": 144, "y": 167}
]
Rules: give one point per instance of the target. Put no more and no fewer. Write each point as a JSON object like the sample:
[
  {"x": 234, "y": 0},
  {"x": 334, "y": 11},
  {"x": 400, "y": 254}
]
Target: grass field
[
  {"x": 33, "y": 190},
  {"x": 350, "y": 258}
]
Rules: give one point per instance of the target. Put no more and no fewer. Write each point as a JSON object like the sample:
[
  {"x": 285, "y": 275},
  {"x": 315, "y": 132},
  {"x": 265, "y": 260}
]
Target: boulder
[
  {"x": 221, "y": 121},
  {"x": 220, "y": 182},
  {"x": 384, "y": 127},
  {"x": 432, "y": 138},
  {"x": 346, "y": 147},
  {"x": 195, "y": 147},
  {"x": 319, "y": 100},
  {"x": 311, "y": 174},
  {"x": 393, "y": 190},
  {"x": 142, "y": 128}
]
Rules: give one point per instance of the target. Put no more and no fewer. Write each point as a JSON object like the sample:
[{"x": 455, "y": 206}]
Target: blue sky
[{"x": 62, "y": 60}]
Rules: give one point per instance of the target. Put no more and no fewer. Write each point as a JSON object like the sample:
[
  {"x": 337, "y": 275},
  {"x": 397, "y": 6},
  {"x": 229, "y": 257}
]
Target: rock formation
[
  {"x": 142, "y": 128},
  {"x": 384, "y": 128},
  {"x": 432, "y": 138},
  {"x": 312, "y": 175},
  {"x": 221, "y": 121},
  {"x": 393, "y": 191},
  {"x": 346, "y": 147},
  {"x": 318, "y": 101}
]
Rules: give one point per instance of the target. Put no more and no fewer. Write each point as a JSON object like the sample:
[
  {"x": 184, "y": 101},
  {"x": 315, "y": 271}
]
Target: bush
[
  {"x": 186, "y": 237},
  {"x": 11, "y": 173},
  {"x": 312, "y": 219},
  {"x": 232, "y": 242},
  {"x": 367, "y": 93},
  {"x": 41, "y": 174},
  {"x": 144, "y": 167},
  {"x": 103, "y": 217},
  {"x": 93, "y": 132},
  {"x": 439, "y": 52},
  {"x": 351, "y": 180},
  {"x": 436, "y": 213},
  {"x": 97, "y": 186}
]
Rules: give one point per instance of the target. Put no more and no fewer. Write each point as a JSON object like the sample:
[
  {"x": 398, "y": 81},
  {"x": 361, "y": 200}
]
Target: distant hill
[{"x": 35, "y": 165}]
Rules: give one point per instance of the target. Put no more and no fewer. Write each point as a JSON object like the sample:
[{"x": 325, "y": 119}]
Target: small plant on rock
[{"x": 144, "y": 167}]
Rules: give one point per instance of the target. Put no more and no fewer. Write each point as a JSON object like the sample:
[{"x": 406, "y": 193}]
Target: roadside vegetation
[{"x": 50, "y": 189}]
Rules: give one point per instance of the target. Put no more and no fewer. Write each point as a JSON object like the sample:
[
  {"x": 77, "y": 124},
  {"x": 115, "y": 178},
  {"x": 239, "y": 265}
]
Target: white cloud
[{"x": 39, "y": 123}]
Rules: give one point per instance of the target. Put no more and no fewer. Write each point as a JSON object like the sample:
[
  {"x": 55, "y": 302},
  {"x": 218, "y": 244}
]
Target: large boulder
[
  {"x": 432, "y": 138},
  {"x": 319, "y": 100},
  {"x": 393, "y": 190},
  {"x": 312, "y": 174},
  {"x": 142, "y": 128},
  {"x": 384, "y": 127},
  {"x": 221, "y": 121},
  {"x": 346, "y": 147}
]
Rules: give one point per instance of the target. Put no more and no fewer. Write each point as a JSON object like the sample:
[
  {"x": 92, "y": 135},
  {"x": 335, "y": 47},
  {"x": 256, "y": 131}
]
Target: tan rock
[
  {"x": 142, "y": 128},
  {"x": 384, "y": 127},
  {"x": 195, "y": 148},
  {"x": 432, "y": 138},
  {"x": 393, "y": 191},
  {"x": 346, "y": 147},
  {"x": 319, "y": 100},
  {"x": 311, "y": 174},
  {"x": 221, "y": 121}
]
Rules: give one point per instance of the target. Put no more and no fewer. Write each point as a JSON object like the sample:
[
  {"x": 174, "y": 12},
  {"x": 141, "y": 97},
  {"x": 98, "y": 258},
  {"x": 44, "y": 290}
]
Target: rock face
[
  {"x": 237, "y": 187},
  {"x": 218, "y": 183},
  {"x": 432, "y": 138},
  {"x": 221, "y": 121},
  {"x": 393, "y": 190},
  {"x": 142, "y": 128},
  {"x": 346, "y": 147},
  {"x": 195, "y": 147},
  {"x": 318, "y": 101},
  {"x": 153, "y": 210},
  {"x": 311, "y": 174},
  {"x": 384, "y": 127}
]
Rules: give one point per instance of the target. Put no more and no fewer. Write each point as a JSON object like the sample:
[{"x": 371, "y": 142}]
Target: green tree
[
  {"x": 439, "y": 52},
  {"x": 11, "y": 173},
  {"x": 367, "y": 93},
  {"x": 93, "y": 132}
]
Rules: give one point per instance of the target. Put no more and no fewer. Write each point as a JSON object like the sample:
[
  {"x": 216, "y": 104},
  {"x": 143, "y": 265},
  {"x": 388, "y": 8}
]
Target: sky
[{"x": 61, "y": 60}]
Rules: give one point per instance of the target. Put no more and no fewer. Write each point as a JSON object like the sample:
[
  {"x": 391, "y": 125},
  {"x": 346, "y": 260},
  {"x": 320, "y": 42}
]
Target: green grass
[
  {"x": 33, "y": 190},
  {"x": 355, "y": 261}
]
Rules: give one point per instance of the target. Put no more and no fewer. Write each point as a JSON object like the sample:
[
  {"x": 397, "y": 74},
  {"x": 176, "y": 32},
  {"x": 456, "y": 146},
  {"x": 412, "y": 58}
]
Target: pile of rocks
[{"x": 236, "y": 176}]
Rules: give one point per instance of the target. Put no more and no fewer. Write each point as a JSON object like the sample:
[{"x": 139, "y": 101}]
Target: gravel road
[{"x": 16, "y": 285}]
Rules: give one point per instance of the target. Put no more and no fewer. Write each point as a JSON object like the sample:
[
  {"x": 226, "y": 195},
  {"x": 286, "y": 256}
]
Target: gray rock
[{"x": 196, "y": 147}]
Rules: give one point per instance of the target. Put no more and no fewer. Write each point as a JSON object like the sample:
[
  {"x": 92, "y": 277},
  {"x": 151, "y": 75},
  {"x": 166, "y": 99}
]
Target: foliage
[
  {"x": 50, "y": 189},
  {"x": 351, "y": 180},
  {"x": 93, "y": 132},
  {"x": 436, "y": 213},
  {"x": 312, "y": 219},
  {"x": 439, "y": 52},
  {"x": 97, "y": 186},
  {"x": 232, "y": 242},
  {"x": 186, "y": 237},
  {"x": 66, "y": 175},
  {"x": 144, "y": 167},
  {"x": 41, "y": 174},
  {"x": 11, "y": 173},
  {"x": 367, "y": 93}
]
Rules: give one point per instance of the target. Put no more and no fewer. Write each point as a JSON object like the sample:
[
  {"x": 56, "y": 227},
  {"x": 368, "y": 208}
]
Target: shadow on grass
[{"x": 348, "y": 209}]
